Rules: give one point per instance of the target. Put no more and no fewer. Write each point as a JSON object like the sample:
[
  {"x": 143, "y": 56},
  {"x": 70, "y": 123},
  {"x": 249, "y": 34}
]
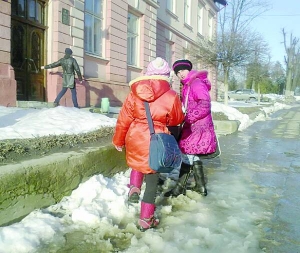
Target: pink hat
[{"x": 158, "y": 67}]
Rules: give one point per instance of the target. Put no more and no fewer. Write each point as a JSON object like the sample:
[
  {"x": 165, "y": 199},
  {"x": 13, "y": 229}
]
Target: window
[
  {"x": 210, "y": 26},
  {"x": 32, "y": 10},
  {"x": 171, "y": 5},
  {"x": 200, "y": 18},
  {"x": 18, "y": 7},
  {"x": 187, "y": 12},
  {"x": 93, "y": 22},
  {"x": 132, "y": 39},
  {"x": 168, "y": 55},
  {"x": 185, "y": 54}
]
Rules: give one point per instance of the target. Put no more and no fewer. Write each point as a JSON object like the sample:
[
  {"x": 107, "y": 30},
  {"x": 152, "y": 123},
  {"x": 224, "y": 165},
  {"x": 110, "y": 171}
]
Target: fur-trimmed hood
[
  {"x": 149, "y": 88},
  {"x": 194, "y": 74}
]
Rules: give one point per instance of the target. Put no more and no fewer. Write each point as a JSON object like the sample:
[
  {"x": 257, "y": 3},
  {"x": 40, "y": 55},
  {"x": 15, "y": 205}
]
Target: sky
[
  {"x": 98, "y": 209},
  {"x": 283, "y": 14}
]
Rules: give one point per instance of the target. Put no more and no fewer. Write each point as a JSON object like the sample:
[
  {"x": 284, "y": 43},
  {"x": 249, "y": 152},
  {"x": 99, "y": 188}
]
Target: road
[{"x": 270, "y": 153}]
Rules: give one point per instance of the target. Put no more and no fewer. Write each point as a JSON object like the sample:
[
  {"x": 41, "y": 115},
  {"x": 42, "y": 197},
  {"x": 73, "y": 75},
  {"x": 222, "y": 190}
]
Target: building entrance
[{"x": 27, "y": 48}]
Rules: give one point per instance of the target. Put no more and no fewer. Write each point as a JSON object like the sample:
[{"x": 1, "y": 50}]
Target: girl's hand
[{"x": 119, "y": 148}]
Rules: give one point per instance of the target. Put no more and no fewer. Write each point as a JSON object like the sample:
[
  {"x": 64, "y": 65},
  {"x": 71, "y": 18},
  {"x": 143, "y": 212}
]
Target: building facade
[{"x": 112, "y": 40}]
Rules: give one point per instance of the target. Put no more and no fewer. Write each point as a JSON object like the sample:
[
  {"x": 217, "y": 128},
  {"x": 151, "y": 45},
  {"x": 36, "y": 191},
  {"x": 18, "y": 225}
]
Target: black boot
[
  {"x": 199, "y": 178},
  {"x": 180, "y": 187}
]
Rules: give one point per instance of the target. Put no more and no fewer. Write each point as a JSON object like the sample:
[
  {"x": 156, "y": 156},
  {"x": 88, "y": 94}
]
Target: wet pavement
[{"x": 270, "y": 153}]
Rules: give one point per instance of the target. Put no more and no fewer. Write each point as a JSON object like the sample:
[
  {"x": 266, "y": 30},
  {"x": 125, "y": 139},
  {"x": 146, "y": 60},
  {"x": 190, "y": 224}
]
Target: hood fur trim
[{"x": 155, "y": 77}]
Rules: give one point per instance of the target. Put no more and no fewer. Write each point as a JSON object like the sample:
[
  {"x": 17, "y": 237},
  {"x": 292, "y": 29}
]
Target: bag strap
[
  {"x": 149, "y": 118},
  {"x": 186, "y": 100}
]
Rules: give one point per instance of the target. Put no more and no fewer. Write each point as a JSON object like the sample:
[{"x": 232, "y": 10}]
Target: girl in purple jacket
[{"x": 198, "y": 136}]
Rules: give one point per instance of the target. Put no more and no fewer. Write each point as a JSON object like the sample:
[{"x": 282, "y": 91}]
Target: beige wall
[
  {"x": 105, "y": 76},
  {"x": 8, "y": 95}
]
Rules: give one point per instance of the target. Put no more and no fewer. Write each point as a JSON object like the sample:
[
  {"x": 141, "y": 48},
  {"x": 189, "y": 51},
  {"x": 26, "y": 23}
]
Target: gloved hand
[{"x": 119, "y": 148}]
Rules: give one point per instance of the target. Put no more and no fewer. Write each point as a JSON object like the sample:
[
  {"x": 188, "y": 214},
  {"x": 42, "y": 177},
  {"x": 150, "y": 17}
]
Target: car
[{"x": 243, "y": 94}]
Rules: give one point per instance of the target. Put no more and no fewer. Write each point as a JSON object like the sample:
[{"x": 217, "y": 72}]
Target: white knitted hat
[{"x": 158, "y": 67}]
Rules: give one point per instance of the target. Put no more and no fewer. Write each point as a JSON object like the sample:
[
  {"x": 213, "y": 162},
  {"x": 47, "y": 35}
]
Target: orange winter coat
[{"x": 132, "y": 128}]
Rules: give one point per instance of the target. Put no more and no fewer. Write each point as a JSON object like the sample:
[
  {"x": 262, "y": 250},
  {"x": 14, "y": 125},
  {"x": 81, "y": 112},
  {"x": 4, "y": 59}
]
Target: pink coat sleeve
[{"x": 199, "y": 104}]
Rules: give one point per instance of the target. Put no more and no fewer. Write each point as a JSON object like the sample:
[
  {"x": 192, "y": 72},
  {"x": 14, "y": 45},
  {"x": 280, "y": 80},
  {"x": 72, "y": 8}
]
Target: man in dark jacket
[{"x": 69, "y": 66}]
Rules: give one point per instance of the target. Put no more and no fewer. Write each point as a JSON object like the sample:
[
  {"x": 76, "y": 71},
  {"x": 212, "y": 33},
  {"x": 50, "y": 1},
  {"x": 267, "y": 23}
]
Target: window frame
[
  {"x": 200, "y": 17},
  {"x": 171, "y": 6},
  {"x": 169, "y": 52},
  {"x": 210, "y": 25},
  {"x": 133, "y": 45},
  {"x": 187, "y": 12},
  {"x": 94, "y": 40}
]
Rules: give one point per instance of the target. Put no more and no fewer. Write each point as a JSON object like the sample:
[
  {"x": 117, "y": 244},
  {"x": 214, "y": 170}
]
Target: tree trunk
[
  {"x": 258, "y": 91},
  {"x": 288, "y": 84},
  {"x": 226, "y": 73}
]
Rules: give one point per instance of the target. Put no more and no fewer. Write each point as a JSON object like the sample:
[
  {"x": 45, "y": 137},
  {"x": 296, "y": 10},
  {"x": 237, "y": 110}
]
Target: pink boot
[
  {"x": 147, "y": 219},
  {"x": 136, "y": 180}
]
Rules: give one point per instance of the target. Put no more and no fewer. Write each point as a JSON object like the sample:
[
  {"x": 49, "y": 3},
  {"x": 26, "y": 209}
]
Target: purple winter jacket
[{"x": 198, "y": 134}]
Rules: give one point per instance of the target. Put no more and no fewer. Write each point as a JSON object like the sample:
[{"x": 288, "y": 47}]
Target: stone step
[
  {"x": 224, "y": 127},
  {"x": 41, "y": 182},
  {"x": 34, "y": 104}
]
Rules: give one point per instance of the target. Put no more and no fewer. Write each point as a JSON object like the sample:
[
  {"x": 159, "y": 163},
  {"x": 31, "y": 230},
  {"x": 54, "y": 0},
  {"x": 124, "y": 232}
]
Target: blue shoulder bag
[{"x": 164, "y": 152}]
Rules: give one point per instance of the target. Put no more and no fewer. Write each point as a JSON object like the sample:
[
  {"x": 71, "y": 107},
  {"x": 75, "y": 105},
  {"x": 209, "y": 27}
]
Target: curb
[
  {"x": 224, "y": 127},
  {"x": 39, "y": 183}
]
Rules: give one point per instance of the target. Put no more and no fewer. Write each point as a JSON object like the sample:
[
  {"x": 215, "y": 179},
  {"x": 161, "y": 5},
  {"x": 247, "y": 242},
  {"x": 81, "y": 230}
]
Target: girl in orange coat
[{"x": 132, "y": 131}]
